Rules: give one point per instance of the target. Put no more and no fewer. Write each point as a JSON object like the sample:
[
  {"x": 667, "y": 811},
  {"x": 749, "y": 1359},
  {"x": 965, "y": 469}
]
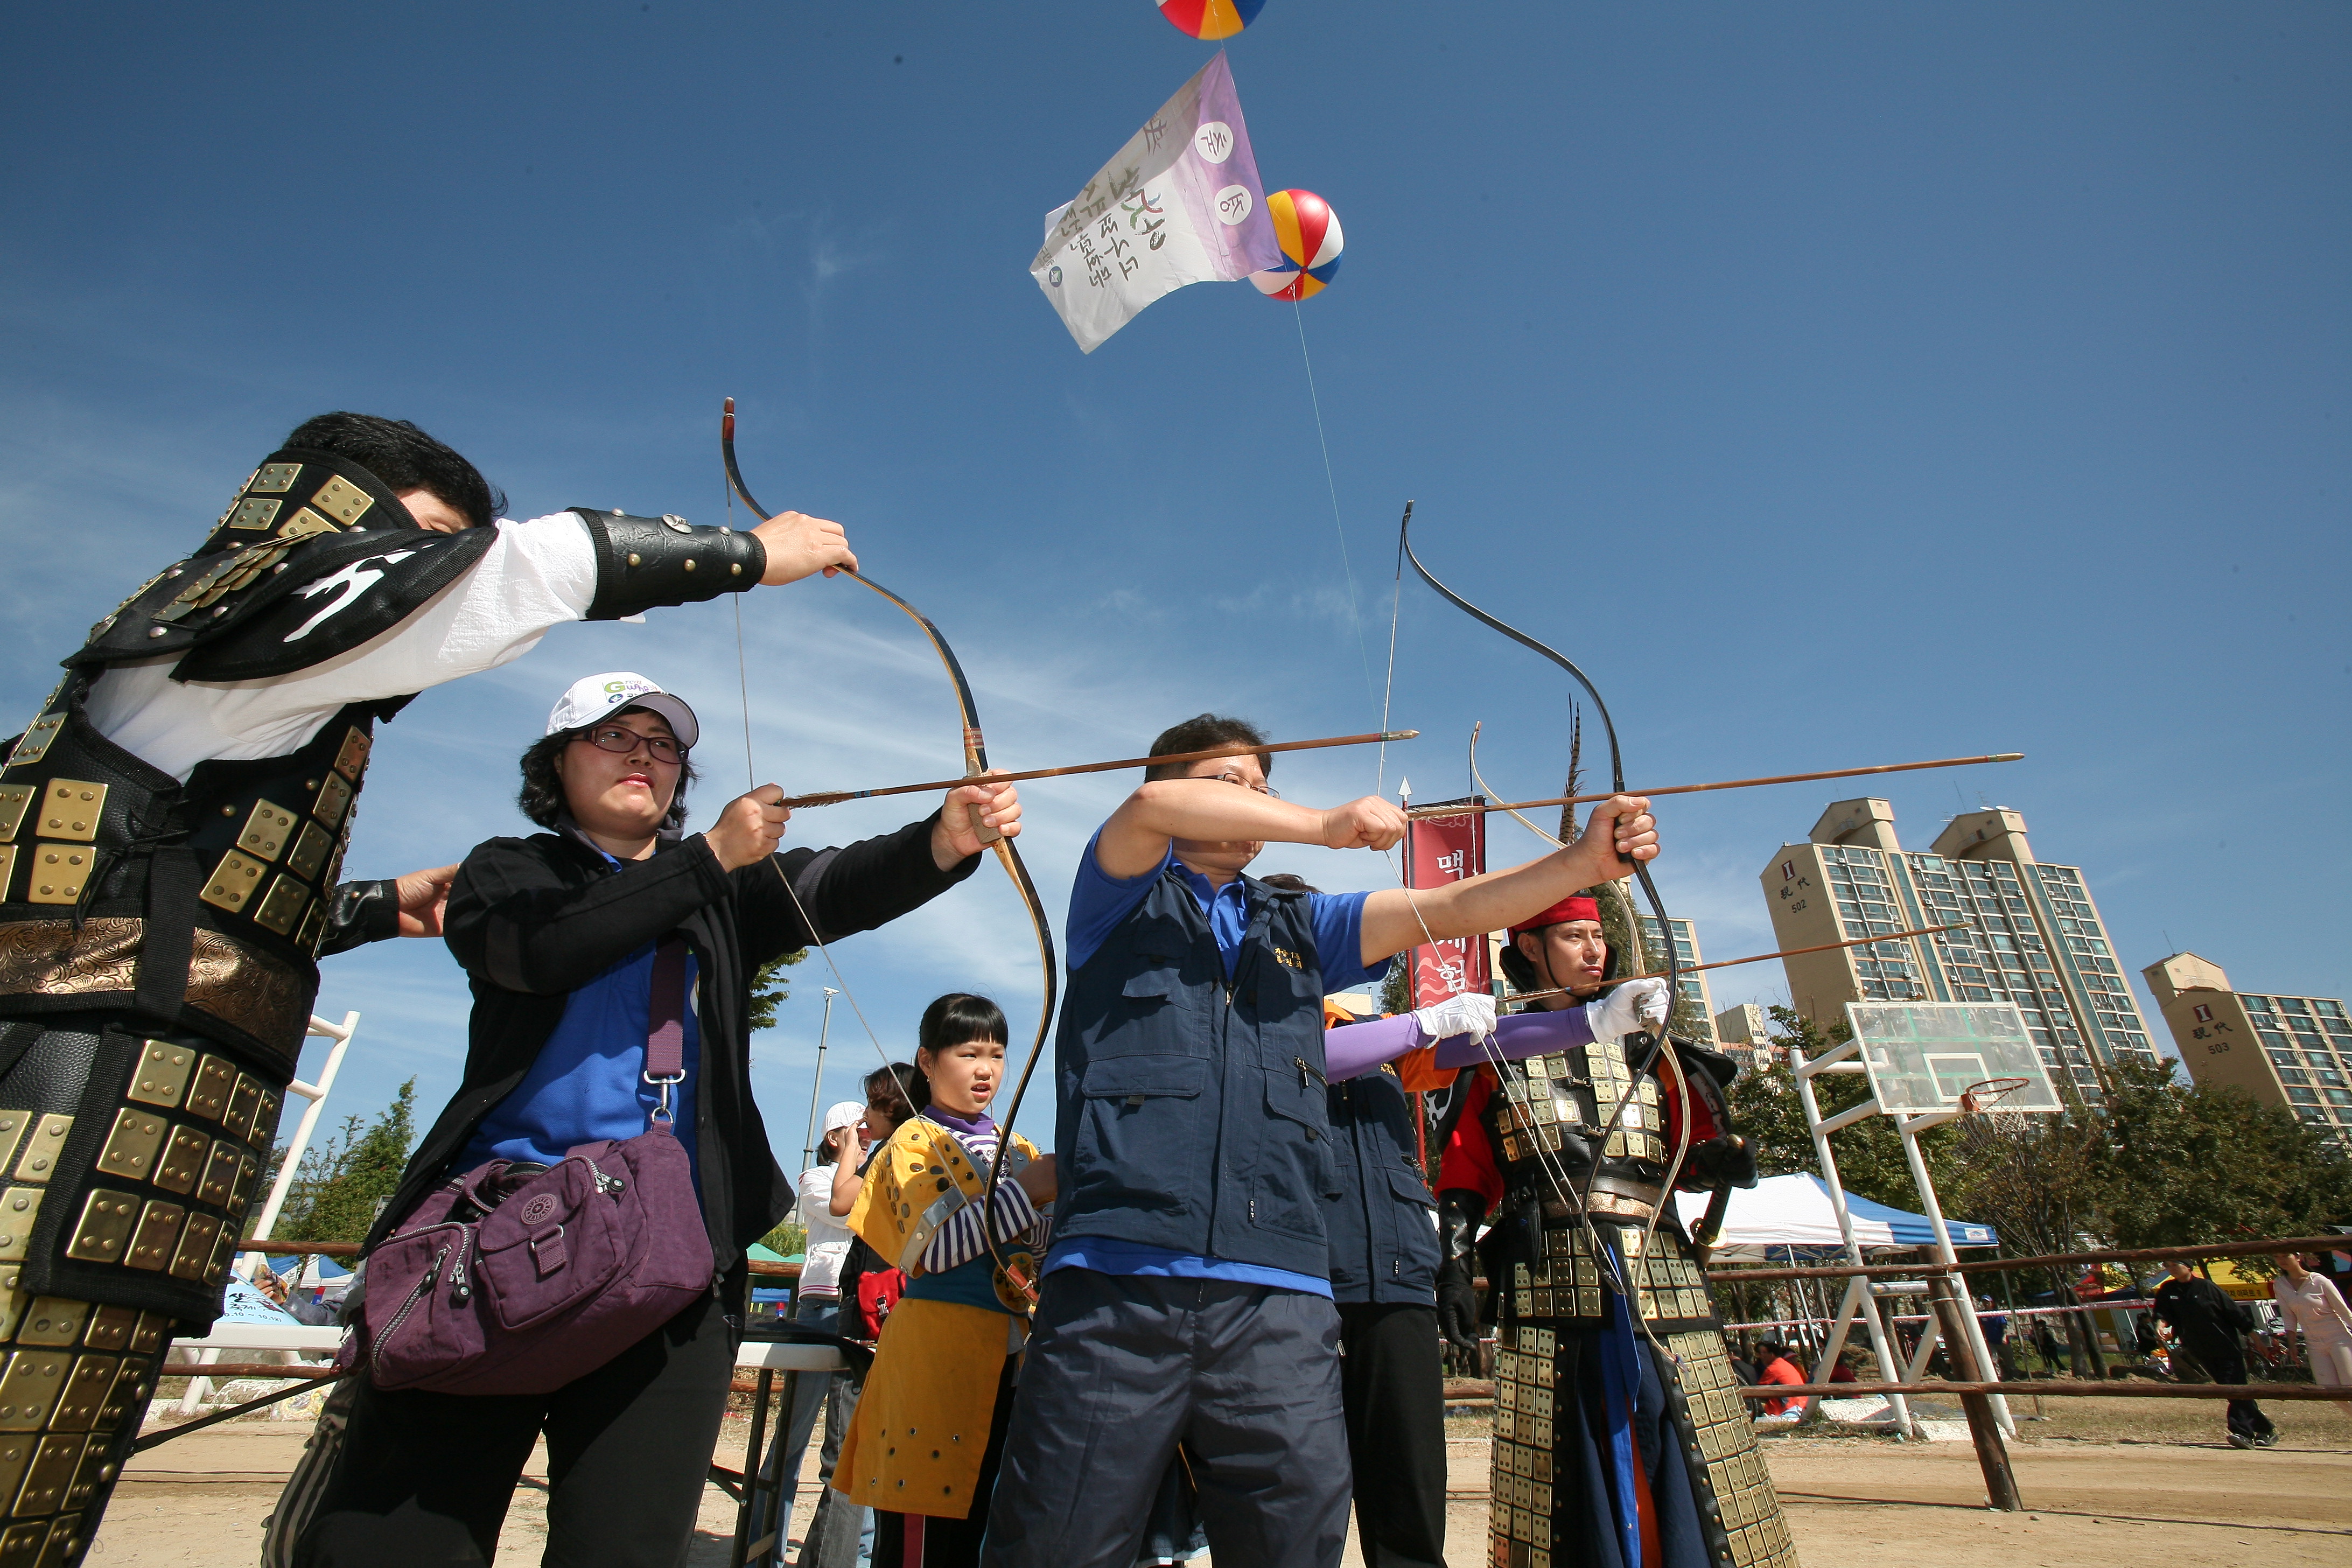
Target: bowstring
[
  {"x": 1355, "y": 617},
  {"x": 1004, "y": 1130}
]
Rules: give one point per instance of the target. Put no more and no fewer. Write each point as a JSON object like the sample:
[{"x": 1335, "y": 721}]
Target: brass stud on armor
[
  {"x": 107, "y": 1220},
  {"x": 15, "y": 801},
  {"x": 163, "y": 1073},
  {"x": 39, "y": 1161},
  {"x": 19, "y": 1207},
  {"x": 634, "y": 559},
  {"x": 58, "y": 872}
]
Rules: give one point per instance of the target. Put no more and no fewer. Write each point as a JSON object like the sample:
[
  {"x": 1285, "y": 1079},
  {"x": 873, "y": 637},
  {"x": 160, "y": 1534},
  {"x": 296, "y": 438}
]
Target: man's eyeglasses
[
  {"x": 620, "y": 739},
  {"x": 1261, "y": 788}
]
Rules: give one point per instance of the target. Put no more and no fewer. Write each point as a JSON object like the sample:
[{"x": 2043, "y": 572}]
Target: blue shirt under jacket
[{"x": 589, "y": 1081}]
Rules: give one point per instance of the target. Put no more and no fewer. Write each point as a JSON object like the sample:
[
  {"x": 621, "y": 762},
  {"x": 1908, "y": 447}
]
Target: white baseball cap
[
  {"x": 844, "y": 1113},
  {"x": 597, "y": 697}
]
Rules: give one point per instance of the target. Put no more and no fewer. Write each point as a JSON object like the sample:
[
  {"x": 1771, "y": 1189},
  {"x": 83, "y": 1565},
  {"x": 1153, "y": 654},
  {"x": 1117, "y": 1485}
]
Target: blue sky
[{"x": 1841, "y": 384}]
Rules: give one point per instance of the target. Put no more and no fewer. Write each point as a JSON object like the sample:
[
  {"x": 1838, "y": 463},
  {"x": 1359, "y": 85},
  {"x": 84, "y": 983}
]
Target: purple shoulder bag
[{"x": 494, "y": 1284}]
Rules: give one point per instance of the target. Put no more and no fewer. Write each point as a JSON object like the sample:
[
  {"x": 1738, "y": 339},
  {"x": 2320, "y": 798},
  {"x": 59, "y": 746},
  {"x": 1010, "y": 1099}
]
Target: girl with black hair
[{"x": 924, "y": 1446}]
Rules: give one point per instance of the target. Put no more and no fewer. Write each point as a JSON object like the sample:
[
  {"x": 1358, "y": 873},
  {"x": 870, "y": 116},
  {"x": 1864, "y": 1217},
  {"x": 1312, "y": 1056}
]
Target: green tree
[
  {"x": 2184, "y": 1163},
  {"x": 341, "y": 1185},
  {"x": 770, "y": 986}
]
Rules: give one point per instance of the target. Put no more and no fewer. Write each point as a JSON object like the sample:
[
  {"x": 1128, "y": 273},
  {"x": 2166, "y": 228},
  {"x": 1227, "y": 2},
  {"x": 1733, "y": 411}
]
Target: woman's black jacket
[{"x": 533, "y": 918}]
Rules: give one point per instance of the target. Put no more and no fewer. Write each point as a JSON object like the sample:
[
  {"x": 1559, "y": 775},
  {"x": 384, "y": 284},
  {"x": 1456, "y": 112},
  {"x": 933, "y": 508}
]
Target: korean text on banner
[
  {"x": 1180, "y": 203},
  {"x": 1438, "y": 850}
]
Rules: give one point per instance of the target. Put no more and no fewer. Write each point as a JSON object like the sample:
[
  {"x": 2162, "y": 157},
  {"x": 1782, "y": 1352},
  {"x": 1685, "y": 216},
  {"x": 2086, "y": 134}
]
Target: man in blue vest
[{"x": 1187, "y": 1294}]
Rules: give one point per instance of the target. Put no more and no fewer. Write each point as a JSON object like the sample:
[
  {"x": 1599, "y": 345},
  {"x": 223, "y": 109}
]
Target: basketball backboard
[{"x": 1922, "y": 1055}]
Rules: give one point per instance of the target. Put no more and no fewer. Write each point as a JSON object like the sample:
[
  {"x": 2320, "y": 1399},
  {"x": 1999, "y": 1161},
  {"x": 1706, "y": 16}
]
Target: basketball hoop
[{"x": 1984, "y": 1098}]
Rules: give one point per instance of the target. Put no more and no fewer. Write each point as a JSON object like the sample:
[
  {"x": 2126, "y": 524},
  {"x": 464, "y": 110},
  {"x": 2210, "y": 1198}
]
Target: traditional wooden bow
[{"x": 975, "y": 758}]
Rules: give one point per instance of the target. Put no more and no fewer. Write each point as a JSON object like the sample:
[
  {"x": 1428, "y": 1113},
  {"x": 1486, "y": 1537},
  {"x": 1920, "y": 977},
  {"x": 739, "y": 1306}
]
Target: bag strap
[{"x": 666, "y": 1025}]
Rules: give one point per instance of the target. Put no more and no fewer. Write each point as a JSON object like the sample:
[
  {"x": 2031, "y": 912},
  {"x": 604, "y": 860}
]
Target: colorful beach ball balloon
[
  {"x": 1308, "y": 232},
  {"x": 1211, "y": 18}
]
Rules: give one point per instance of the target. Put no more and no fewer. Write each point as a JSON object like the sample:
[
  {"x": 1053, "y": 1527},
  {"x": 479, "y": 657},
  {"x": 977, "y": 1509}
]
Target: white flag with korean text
[{"x": 1180, "y": 203}]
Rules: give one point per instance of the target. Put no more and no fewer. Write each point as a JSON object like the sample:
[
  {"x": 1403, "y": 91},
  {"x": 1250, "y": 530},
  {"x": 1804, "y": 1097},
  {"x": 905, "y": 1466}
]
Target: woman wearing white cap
[{"x": 567, "y": 937}]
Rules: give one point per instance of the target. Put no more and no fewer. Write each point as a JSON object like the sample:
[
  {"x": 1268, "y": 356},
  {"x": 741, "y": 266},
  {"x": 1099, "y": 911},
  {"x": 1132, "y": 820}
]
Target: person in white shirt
[
  {"x": 816, "y": 1301},
  {"x": 173, "y": 822},
  {"x": 2309, "y": 1302}
]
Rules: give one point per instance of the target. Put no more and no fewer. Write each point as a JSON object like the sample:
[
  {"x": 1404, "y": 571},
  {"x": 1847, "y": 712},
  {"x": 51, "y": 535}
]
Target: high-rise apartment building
[
  {"x": 2028, "y": 933},
  {"x": 1700, "y": 1011},
  {"x": 2289, "y": 1051},
  {"x": 1744, "y": 1033}
]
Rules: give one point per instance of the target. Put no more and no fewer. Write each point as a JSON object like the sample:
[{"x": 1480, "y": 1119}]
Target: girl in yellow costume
[{"x": 923, "y": 1448}]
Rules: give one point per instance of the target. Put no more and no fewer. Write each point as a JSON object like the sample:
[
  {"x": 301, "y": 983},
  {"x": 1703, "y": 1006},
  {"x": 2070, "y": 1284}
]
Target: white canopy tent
[{"x": 1784, "y": 1219}]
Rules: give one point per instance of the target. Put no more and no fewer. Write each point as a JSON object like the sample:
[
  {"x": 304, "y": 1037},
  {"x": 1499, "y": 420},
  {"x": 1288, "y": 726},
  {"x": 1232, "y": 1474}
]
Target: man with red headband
[{"x": 1618, "y": 1436}]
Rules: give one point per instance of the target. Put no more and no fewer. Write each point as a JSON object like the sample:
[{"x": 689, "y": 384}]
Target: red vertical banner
[{"x": 1439, "y": 850}]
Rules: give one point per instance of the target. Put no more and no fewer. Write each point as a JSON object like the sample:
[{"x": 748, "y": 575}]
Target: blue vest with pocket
[
  {"x": 1191, "y": 1111},
  {"x": 1383, "y": 1245}
]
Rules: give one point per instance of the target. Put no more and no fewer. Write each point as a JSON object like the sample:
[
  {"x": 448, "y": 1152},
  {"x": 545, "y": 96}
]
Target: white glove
[
  {"x": 1468, "y": 1012},
  {"x": 1636, "y": 1005}
]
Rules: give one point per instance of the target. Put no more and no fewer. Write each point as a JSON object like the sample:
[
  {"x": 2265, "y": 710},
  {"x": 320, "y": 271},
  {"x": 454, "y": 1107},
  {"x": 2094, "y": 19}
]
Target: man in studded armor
[
  {"x": 173, "y": 824},
  {"x": 1619, "y": 1441}
]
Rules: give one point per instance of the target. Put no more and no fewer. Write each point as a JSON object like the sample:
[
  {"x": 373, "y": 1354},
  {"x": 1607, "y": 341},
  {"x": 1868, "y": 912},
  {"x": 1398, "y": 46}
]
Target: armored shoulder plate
[
  {"x": 313, "y": 556},
  {"x": 270, "y": 607}
]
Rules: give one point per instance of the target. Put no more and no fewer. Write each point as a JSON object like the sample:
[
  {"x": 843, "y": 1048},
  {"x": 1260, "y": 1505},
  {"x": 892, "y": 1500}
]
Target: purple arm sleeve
[
  {"x": 1358, "y": 1048},
  {"x": 1517, "y": 1037}
]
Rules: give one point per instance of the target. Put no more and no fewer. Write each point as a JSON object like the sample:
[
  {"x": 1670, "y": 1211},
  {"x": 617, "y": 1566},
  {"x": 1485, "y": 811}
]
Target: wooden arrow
[
  {"x": 1429, "y": 810},
  {"x": 1754, "y": 958},
  {"x": 835, "y": 797}
]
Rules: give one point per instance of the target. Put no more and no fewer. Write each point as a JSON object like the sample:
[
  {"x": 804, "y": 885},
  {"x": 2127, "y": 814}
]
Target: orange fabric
[
  {"x": 1778, "y": 1370},
  {"x": 1419, "y": 1072},
  {"x": 1646, "y": 1507}
]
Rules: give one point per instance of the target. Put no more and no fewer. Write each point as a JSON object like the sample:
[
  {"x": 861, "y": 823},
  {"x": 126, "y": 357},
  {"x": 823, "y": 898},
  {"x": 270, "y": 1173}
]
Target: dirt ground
[{"x": 2099, "y": 1478}]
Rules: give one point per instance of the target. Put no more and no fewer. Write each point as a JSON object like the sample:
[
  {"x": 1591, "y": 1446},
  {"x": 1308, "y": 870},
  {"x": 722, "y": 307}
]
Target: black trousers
[
  {"x": 1392, "y": 1383},
  {"x": 2224, "y": 1359},
  {"x": 424, "y": 1479},
  {"x": 1120, "y": 1369}
]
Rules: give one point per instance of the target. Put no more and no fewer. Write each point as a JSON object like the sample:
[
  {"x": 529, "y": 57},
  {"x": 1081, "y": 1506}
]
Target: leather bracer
[{"x": 646, "y": 562}]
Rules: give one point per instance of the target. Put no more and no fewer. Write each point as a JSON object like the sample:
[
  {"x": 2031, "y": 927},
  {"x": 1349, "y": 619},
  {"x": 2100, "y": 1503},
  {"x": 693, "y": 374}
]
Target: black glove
[
  {"x": 1725, "y": 1161},
  {"x": 1458, "y": 1212}
]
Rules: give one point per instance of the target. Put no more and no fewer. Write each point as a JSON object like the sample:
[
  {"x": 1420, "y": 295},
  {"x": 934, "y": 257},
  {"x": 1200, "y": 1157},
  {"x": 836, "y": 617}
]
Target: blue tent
[{"x": 1914, "y": 1229}]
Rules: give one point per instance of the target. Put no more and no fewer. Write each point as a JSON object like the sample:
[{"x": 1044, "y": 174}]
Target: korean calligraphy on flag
[{"x": 1180, "y": 203}]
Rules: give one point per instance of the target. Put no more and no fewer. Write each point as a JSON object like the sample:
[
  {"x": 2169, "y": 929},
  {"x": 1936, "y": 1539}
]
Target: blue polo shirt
[
  {"x": 588, "y": 1081},
  {"x": 1098, "y": 901}
]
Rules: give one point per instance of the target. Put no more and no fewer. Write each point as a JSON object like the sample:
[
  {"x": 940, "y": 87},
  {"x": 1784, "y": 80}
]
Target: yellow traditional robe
[{"x": 921, "y": 1429}]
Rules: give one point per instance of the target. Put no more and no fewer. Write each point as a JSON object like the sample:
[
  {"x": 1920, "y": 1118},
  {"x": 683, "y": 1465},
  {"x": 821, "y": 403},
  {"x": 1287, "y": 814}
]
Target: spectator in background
[
  {"x": 2046, "y": 1346},
  {"x": 841, "y": 1532},
  {"x": 2306, "y": 1300},
  {"x": 1777, "y": 1368},
  {"x": 2212, "y": 1327},
  {"x": 816, "y": 1301},
  {"x": 1843, "y": 1371}
]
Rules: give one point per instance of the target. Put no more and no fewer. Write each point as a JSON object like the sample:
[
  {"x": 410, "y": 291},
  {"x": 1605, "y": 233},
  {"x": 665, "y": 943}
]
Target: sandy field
[{"x": 2100, "y": 1477}]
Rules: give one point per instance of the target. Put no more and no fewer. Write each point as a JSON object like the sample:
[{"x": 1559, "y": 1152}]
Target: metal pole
[
  {"x": 317, "y": 1095},
  {"x": 1898, "y": 1407},
  {"x": 1909, "y": 1128},
  {"x": 816, "y": 1089}
]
